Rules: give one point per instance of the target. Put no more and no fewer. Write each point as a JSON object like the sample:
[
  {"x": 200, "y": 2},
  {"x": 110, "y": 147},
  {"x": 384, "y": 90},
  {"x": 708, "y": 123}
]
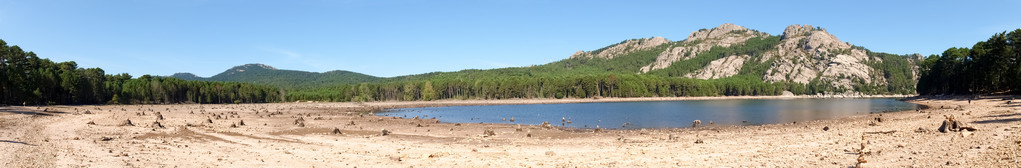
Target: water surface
[{"x": 658, "y": 114}]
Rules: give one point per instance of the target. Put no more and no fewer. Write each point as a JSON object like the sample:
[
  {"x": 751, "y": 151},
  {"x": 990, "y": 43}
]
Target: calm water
[{"x": 660, "y": 114}]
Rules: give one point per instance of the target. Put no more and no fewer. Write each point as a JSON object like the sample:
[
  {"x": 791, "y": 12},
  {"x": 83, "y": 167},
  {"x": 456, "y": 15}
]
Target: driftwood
[{"x": 952, "y": 125}]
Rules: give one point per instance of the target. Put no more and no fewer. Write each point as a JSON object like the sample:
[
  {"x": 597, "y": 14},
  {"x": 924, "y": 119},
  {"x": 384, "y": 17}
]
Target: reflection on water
[{"x": 661, "y": 114}]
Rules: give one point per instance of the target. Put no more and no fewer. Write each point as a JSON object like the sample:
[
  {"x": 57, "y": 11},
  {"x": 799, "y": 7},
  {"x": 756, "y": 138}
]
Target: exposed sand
[{"x": 271, "y": 137}]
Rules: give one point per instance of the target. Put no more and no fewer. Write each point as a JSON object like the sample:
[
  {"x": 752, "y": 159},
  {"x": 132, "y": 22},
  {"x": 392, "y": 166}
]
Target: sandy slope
[{"x": 62, "y": 137}]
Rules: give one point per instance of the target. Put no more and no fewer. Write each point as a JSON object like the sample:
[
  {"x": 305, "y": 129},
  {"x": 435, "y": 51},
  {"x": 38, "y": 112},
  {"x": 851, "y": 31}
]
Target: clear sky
[{"x": 392, "y": 38}]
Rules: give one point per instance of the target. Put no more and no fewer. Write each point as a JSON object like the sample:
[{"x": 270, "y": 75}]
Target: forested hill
[
  {"x": 265, "y": 74},
  {"x": 725, "y": 60},
  {"x": 26, "y": 79}
]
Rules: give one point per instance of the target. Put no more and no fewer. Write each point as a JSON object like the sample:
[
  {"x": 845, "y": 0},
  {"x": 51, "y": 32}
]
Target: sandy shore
[{"x": 303, "y": 135}]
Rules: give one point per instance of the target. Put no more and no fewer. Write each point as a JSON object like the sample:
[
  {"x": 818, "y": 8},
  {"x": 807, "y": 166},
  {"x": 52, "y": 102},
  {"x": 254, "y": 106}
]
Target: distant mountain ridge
[
  {"x": 265, "y": 74},
  {"x": 804, "y": 58}
]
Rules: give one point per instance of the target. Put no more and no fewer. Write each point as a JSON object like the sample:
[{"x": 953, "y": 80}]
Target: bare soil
[{"x": 302, "y": 135}]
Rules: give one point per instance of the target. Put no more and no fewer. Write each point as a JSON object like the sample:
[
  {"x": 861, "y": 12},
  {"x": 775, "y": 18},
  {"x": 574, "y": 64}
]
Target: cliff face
[{"x": 802, "y": 55}]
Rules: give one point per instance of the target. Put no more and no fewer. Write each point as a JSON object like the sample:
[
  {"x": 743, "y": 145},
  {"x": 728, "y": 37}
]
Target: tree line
[
  {"x": 30, "y": 80},
  {"x": 556, "y": 87},
  {"x": 991, "y": 66}
]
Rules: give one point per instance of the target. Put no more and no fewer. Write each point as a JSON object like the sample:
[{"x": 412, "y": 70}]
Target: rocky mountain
[
  {"x": 803, "y": 59},
  {"x": 265, "y": 74},
  {"x": 701, "y": 41},
  {"x": 803, "y": 54},
  {"x": 622, "y": 48},
  {"x": 806, "y": 53}
]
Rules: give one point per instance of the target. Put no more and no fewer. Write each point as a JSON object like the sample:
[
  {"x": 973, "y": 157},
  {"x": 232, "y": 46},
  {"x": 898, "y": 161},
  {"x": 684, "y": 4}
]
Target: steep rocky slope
[
  {"x": 701, "y": 41},
  {"x": 720, "y": 68},
  {"x": 803, "y": 54},
  {"x": 806, "y": 53},
  {"x": 622, "y": 48}
]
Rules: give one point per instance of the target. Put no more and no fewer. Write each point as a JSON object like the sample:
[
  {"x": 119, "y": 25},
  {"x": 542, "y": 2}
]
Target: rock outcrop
[
  {"x": 701, "y": 41},
  {"x": 806, "y": 53},
  {"x": 720, "y": 68},
  {"x": 246, "y": 67},
  {"x": 622, "y": 48}
]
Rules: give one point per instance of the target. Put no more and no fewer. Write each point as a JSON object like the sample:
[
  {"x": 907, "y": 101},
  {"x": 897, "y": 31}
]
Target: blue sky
[{"x": 392, "y": 38}]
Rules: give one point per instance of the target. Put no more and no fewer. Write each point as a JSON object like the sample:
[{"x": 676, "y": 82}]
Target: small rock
[
  {"x": 157, "y": 124},
  {"x": 336, "y": 131},
  {"x": 127, "y": 123},
  {"x": 965, "y": 133},
  {"x": 489, "y": 133},
  {"x": 395, "y": 158},
  {"x": 385, "y": 132},
  {"x": 826, "y": 128}
]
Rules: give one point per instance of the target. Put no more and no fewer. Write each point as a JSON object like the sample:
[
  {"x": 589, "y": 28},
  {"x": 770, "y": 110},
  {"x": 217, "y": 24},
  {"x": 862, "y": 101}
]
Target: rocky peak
[
  {"x": 797, "y": 30},
  {"x": 253, "y": 66},
  {"x": 701, "y": 41},
  {"x": 622, "y": 48},
  {"x": 717, "y": 32},
  {"x": 249, "y": 67},
  {"x": 806, "y": 53}
]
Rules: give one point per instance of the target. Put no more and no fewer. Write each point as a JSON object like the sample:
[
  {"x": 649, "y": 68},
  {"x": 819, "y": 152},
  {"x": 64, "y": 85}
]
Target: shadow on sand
[
  {"x": 16, "y": 142},
  {"x": 1008, "y": 120},
  {"x": 28, "y": 112}
]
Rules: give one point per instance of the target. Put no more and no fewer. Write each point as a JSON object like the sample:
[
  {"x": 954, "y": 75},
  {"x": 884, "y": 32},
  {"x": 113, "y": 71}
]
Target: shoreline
[{"x": 447, "y": 102}]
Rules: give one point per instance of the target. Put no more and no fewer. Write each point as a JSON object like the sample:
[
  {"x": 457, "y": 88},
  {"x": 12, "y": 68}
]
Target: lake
[{"x": 658, "y": 114}]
